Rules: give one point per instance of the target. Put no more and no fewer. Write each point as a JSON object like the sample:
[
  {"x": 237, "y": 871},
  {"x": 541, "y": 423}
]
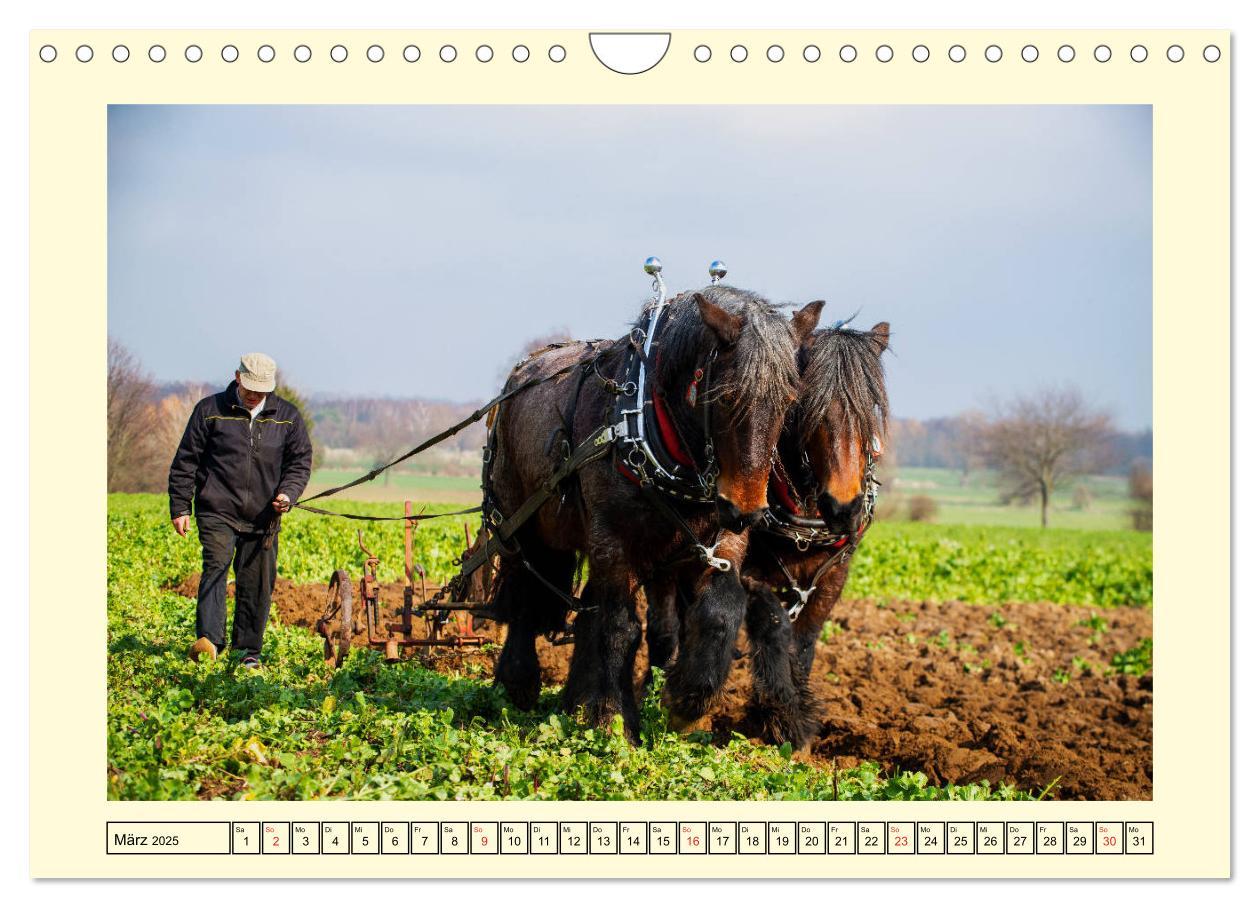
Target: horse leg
[
  {"x": 606, "y": 638},
  {"x": 805, "y": 644},
  {"x": 709, "y": 626},
  {"x": 662, "y": 623},
  {"x": 782, "y": 706},
  {"x": 529, "y": 608}
]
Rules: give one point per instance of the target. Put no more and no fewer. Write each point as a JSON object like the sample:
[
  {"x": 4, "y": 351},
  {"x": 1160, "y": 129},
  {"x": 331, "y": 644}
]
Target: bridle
[
  {"x": 787, "y": 515},
  {"x": 786, "y": 518}
]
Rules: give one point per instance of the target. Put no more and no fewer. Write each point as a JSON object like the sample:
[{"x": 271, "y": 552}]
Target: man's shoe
[
  {"x": 252, "y": 663},
  {"x": 203, "y": 648}
]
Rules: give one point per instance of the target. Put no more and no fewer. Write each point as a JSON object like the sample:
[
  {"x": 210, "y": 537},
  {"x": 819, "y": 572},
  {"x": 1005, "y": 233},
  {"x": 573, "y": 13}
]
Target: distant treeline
[
  {"x": 945, "y": 442},
  {"x": 381, "y": 426},
  {"x": 366, "y": 423}
]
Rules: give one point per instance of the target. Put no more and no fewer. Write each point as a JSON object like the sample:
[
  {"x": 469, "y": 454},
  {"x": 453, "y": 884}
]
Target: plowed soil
[{"x": 959, "y": 692}]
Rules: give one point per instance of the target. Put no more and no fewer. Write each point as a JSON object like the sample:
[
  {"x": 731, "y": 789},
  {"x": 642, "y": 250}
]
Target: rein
[{"x": 476, "y": 416}]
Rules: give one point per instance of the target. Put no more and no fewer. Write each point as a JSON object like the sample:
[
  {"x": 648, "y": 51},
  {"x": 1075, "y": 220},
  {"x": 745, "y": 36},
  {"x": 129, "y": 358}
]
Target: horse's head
[
  {"x": 841, "y": 419},
  {"x": 731, "y": 352}
]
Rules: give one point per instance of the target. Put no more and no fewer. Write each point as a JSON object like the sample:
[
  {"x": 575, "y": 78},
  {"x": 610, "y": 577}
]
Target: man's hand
[
  {"x": 281, "y": 503},
  {"x": 181, "y": 524}
]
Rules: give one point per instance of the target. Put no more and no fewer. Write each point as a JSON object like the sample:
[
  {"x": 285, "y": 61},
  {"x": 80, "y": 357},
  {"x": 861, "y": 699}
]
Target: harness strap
[
  {"x": 802, "y": 595},
  {"x": 705, "y": 552},
  {"x": 476, "y": 416},
  {"x": 779, "y": 485},
  {"x": 596, "y": 445},
  {"x": 575, "y": 604}
]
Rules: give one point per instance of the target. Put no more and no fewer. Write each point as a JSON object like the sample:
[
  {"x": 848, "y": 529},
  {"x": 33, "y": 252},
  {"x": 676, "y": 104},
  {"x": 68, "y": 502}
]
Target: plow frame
[{"x": 341, "y": 620}]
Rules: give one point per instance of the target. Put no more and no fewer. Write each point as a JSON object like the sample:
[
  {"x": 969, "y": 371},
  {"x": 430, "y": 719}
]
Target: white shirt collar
[{"x": 253, "y": 414}]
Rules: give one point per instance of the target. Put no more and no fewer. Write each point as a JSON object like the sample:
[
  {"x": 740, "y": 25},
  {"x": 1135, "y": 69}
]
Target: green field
[
  {"x": 975, "y": 499},
  {"x": 300, "y": 729},
  {"x": 396, "y": 485},
  {"x": 970, "y": 500}
]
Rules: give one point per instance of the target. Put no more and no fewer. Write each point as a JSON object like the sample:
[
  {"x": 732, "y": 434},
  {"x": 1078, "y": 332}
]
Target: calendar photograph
[{"x": 664, "y": 452}]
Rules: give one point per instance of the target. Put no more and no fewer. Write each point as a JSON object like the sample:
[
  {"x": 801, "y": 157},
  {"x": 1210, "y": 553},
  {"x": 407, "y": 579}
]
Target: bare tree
[
  {"x": 170, "y": 418},
  {"x": 1038, "y": 441},
  {"x": 132, "y": 456}
]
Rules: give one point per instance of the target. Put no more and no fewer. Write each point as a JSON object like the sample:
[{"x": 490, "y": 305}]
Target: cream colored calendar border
[{"x": 1191, "y": 391}]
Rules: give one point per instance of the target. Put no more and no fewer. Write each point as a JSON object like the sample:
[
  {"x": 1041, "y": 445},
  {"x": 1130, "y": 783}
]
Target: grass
[
  {"x": 395, "y": 485},
  {"x": 975, "y": 500},
  {"x": 964, "y": 501},
  {"x": 994, "y": 565},
  {"x": 980, "y": 565},
  {"x": 368, "y": 730}
]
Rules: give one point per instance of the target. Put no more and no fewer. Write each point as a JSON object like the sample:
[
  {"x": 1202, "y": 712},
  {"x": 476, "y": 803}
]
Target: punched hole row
[
  {"x": 556, "y": 53},
  {"x": 956, "y": 53},
  {"x": 302, "y": 53}
]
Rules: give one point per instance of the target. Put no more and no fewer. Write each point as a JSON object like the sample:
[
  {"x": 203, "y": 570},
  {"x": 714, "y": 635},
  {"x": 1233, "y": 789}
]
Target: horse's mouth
[
  {"x": 731, "y": 518},
  {"x": 840, "y": 518}
]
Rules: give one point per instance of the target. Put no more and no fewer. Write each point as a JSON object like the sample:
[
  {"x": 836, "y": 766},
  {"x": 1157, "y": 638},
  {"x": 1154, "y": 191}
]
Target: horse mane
[
  {"x": 845, "y": 365},
  {"x": 764, "y": 371}
]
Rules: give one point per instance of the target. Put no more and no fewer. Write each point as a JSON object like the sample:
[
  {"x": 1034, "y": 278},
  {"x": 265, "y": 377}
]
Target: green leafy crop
[
  {"x": 994, "y": 565},
  {"x": 300, "y": 729}
]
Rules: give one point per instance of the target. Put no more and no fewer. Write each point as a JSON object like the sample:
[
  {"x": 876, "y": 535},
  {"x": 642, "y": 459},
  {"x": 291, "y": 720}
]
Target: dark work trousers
[{"x": 255, "y": 566}]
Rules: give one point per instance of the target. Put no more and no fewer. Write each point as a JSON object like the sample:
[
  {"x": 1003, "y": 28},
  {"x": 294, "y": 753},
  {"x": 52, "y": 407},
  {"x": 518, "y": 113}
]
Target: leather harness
[{"x": 786, "y": 519}]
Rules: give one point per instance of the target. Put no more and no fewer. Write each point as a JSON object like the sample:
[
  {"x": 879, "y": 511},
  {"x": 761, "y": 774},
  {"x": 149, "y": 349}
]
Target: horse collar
[{"x": 651, "y": 447}]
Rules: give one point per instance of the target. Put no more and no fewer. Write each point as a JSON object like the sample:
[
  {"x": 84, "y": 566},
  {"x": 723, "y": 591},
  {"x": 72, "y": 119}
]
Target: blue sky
[{"x": 411, "y": 251}]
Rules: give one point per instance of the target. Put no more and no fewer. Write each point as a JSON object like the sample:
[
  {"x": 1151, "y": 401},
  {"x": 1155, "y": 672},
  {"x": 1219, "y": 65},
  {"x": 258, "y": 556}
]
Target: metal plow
[{"x": 447, "y": 619}]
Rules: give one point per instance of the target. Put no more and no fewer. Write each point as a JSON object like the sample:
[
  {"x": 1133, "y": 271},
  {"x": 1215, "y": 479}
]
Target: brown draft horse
[
  {"x": 721, "y": 374},
  {"x": 821, "y": 501}
]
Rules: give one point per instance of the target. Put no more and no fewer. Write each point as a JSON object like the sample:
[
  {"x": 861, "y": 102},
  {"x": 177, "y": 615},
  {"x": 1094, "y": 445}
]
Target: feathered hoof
[
  {"x": 781, "y": 725},
  {"x": 685, "y": 726},
  {"x": 522, "y": 687}
]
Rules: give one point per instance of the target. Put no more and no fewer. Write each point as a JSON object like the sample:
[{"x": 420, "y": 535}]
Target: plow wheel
[{"x": 340, "y": 604}]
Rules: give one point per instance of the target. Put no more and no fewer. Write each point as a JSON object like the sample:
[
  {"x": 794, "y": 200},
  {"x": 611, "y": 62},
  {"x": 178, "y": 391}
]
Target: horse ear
[
  {"x": 805, "y": 320},
  {"x": 722, "y": 323},
  {"x": 880, "y": 333}
]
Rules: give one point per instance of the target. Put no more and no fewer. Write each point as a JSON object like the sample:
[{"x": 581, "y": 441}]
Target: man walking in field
[{"x": 243, "y": 461}]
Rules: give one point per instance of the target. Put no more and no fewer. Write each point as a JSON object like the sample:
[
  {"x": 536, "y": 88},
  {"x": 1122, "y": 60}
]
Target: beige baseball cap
[{"x": 257, "y": 372}]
